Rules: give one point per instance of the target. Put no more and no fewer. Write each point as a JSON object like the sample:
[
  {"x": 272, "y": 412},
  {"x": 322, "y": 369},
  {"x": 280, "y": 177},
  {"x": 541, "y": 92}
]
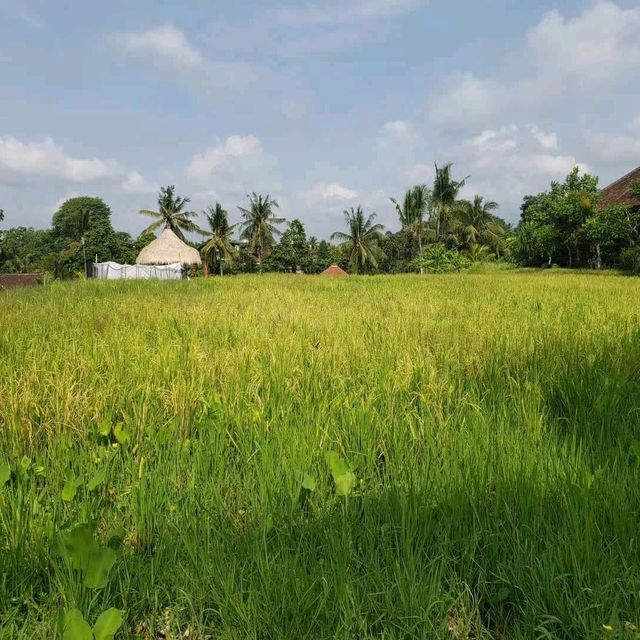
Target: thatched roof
[
  {"x": 618, "y": 192},
  {"x": 167, "y": 248},
  {"x": 334, "y": 270}
]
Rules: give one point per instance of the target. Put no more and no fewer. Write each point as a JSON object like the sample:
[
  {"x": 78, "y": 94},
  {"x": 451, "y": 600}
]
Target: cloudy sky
[{"x": 324, "y": 104}]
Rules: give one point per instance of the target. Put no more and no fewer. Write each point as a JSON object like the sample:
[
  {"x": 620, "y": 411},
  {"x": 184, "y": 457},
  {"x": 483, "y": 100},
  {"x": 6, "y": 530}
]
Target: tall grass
[{"x": 491, "y": 422}]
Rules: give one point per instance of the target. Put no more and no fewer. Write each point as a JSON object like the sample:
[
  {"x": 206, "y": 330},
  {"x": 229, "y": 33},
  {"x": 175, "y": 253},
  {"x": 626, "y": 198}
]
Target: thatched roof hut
[
  {"x": 167, "y": 248},
  {"x": 333, "y": 270},
  {"x": 618, "y": 192}
]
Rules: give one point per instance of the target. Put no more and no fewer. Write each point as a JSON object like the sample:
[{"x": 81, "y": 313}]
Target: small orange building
[{"x": 334, "y": 270}]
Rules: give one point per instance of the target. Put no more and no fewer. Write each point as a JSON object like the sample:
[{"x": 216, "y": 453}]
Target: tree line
[{"x": 439, "y": 231}]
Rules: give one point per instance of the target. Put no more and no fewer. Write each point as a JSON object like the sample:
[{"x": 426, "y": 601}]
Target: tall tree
[
  {"x": 563, "y": 211},
  {"x": 219, "y": 246},
  {"x": 77, "y": 216},
  {"x": 171, "y": 213},
  {"x": 81, "y": 228},
  {"x": 362, "y": 242},
  {"x": 412, "y": 212},
  {"x": 259, "y": 225},
  {"x": 445, "y": 197}
]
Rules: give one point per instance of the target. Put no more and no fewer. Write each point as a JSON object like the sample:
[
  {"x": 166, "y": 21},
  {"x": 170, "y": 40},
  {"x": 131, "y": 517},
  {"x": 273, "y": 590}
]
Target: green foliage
[
  {"x": 107, "y": 624},
  {"x": 552, "y": 222},
  {"x": 259, "y": 227},
  {"x": 438, "y": 259},
  {"x": 343, "y": 476},
  {"x": 171, "y": 214},
  {"x": 78, "y": 544},
  {"x": 75, "y": 627},
  {"x": 416, "y": 204},
  {"x": 444, "y": 197},
  {"x": 219, "y": 248},
  {"x": 70, "y": 488},
  {"x": 5, "y": 473},
  {"x": 630, "y": 259},
  {"x": 292, "y": 252},
  {"x": 24, "y": 249},
  {"x": 362, "y": 243}
]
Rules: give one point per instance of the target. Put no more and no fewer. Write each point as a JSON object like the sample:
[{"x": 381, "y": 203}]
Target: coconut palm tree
[
  {"x": 362, "y": 241},
  {"x": 171, "y": 214},
  {"x": 445, "y": 197},
  {"x": 475, "y": 218},
  {"x": 219, "y": 244},
  {"x": 259, "y": 225},
  {"x": 412, "y": 212}
]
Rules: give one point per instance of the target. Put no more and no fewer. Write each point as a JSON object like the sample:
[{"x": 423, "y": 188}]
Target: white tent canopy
[{"x": 115, "y": 271}]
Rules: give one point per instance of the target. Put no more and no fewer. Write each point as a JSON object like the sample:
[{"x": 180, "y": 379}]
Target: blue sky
[{"x": 324, "y": 104}]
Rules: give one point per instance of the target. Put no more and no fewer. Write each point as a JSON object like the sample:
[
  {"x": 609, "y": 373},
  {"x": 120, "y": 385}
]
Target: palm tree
[
  {"x": 220, "y": 242},
  {"x": 476, "y": 217},
  {"x": 412, "y": 212},
  {"x": 171, "y": 213},
  {"x": 495, "y": 236},
  {"x": 259, "y": 223},
  {"x": 362, "y": 241},
  {"x": 445, "y": 196}
]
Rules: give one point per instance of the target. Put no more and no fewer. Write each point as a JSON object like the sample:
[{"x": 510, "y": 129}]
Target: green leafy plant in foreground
[
  {"x": 342, "y": 473},
  {"x": 87, "y": 564},
  {"x": 75, "y": 627}
]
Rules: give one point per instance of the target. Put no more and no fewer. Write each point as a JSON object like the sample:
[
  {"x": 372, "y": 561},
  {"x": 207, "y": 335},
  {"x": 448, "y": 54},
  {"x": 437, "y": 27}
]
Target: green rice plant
[{"x": 442, "y": 456}]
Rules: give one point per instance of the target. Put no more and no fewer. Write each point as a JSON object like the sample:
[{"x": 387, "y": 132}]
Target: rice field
[{"x": 269, "y": 457}]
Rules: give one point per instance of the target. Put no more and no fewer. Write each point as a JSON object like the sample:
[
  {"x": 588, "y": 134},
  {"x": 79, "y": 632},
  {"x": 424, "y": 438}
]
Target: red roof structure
[
  {"x": 618, "y": 192},
  {"x": 334, "y": 270}
]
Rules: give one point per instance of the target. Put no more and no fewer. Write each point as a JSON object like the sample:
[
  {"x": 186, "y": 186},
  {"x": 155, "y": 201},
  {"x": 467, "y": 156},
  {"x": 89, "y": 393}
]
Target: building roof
[
  {"x": 618, "y": 192},
  {"x": 334, "y": 270},
  {"x": 167, "y": 248}
]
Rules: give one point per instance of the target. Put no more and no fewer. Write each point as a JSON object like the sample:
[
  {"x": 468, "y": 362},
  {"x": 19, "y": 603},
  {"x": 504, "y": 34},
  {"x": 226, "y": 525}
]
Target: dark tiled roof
[{"x": 618, "y": 192}]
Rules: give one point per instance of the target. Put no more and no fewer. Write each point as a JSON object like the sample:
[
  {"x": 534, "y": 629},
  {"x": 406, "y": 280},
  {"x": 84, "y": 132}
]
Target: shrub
[
  {"x": 438, "y": 259},
  {"x": 630, "y": 259}
]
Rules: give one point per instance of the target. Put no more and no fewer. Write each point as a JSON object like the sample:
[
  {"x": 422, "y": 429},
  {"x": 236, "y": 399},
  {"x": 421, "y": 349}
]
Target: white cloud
[
  {"x": 233, "y": 168},
  {"x": 328, "y": 193},
  {"x": 236, "y": 153},
  {"x": 397, "y": 131},
  {"x": 620, "y": 149},
  {"x": 419, "y": 174},
  {"x": 590, "y": 49},
  {"x": 513, "y": 160},
  {"x": 136, "y": 183},
  {"x": 546, "y": 140},
  {"x": 167, "y": 48},
  {"x": 467, "y": 102},
  {"x": 165, "y": 41},
  {"x": 525, "y": 148},
  {"x": 560, "y": 56},
  {"x": 46, "y": 158}
]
